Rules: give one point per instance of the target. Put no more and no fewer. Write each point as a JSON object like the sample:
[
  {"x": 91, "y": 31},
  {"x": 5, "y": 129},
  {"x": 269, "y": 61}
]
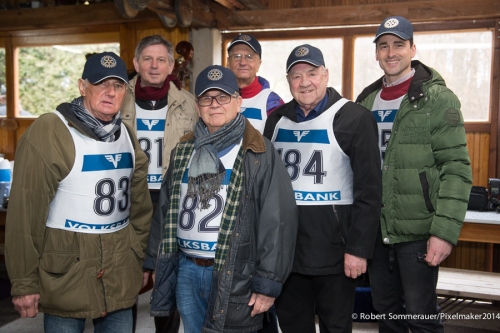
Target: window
[
  {"x": 463, "y": 59},
  {"x": 276, "y": 52},
  {"x": 48, "y": 75}
]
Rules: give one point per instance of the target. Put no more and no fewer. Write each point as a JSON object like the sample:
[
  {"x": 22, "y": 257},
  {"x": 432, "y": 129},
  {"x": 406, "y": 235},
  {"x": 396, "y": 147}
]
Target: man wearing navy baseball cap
[
  {"x": 78, "y": 190},
  {"x": 329, "y": 145},
  {"x": 244, "y": 59},
  {"x": 228, "y": 218},
  {"x": 424, "y": 157}
]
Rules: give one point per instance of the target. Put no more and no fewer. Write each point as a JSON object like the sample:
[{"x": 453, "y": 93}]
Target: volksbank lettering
[
  {"x": 305, "y": 136},
  {"x": 197, "y": 245},
  {"x": 80, "y": 225},
  {"x": 251, "y": 113},
  {"x": 155, "y": 178},
  {"x": 317, "y": 196},
  {"x": 154, "y": 125},
  {"x": 105, "y": 162}
]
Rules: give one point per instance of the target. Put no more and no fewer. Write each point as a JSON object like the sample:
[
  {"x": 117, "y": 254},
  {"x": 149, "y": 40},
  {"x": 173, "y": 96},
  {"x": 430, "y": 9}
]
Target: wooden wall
[
  {"x": 280, "y": 4},
  {"x": 478, "y": 144}
]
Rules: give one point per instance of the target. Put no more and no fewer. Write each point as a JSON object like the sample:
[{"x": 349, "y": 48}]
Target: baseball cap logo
[
  {"x": 108, "y": 61},
  {"x": 214, "y": 74},
  {"x": 302, "y": 51},
  {"x": 391, "y": 23},
  {"x": 245, "y": 38}
]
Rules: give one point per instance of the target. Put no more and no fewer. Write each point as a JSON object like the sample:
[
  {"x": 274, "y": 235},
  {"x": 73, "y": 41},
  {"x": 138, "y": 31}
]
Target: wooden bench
[{"x": 461, "y": 283}]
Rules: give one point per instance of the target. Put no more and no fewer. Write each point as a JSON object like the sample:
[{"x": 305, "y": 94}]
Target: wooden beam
[
  {"x": 67, "y": 16},
  {"x": 202, "y": 15},
  {"x": 417, "y": 11},
  {"x": 254, "y": 4},
  {"x": 231, "y": 4},
  {"x": 494, "y": 167},
  {"x": 11, "y": 75},
  {"x": 348, "y": 67}
]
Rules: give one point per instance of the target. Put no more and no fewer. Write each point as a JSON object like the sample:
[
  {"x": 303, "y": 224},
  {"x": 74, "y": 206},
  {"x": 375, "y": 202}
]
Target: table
[{"x": 483, "y": 227}]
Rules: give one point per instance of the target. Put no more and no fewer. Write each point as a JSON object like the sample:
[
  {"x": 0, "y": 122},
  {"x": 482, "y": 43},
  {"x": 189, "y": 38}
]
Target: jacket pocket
[
  {"x": 238, "y": 314},
  {"x": 424, "y": 183},
  {"x": 58, "y": 264},
  {"x": 63, "y": 283}
]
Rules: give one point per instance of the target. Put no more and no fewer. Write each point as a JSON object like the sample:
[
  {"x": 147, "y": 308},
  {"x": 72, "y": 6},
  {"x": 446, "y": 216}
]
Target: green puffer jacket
[{"x": 426, "y": 176}]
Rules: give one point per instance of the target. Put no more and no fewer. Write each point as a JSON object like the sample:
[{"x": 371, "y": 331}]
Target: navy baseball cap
[
  {"x": 104, "y": 65},
  {"x": 216, "y": 77},
  {"x": 305, "y": 53},
  {"x": 395, "y": 25},
  {"x": 248, "y": 40}
]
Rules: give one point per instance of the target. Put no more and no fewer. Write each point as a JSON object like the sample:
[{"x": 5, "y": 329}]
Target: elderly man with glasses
[
  {"x": 228, "y": 217},
  {"x": 244, "y": 59}
]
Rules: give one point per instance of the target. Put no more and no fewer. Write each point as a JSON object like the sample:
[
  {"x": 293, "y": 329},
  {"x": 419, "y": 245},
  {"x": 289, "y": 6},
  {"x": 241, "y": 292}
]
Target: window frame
[
  {"x": 348, "y": 35},
  {"x": 70, "y": 36}
]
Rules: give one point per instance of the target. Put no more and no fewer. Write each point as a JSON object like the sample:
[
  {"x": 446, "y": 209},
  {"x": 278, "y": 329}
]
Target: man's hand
[
  {"x": 437, "y": 250},
  {"x": 261, "y": 303},
  {"x": 26, "y": 305},
  {"x": 354, "y": 266},
  {"x": 145, "y": 278}
]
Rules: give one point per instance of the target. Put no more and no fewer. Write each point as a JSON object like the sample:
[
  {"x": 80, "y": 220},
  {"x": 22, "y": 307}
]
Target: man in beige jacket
[{"x": 160, "y": 112}]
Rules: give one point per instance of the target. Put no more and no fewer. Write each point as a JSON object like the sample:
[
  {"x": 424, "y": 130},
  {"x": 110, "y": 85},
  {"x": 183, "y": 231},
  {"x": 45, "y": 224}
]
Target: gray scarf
[
  {"x": 204, "y": 177},
  {"x": 105, "y": 133}
]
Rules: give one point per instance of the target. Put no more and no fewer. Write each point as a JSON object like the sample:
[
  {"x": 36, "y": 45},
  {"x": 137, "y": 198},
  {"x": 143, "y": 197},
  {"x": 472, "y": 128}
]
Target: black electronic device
[
  {"x": 494, "y": 192},
  {"x": 485, "y": 199}
]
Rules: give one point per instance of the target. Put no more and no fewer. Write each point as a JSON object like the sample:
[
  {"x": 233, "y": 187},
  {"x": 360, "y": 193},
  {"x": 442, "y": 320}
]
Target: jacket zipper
[
  {"x": 339, "y": 230},
  {"x": 102, "y": 280}
]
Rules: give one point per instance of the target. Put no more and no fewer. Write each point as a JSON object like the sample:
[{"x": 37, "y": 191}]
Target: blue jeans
[
  {"x": 403, "y": 284},
  {"x": 114, "y": 322},
  {"x": 192, "y": 293}
]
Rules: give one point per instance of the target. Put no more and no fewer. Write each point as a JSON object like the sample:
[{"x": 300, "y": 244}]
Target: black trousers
[
  {"x": 169, "y": 324},
  {"x": 331, "y": 297}
]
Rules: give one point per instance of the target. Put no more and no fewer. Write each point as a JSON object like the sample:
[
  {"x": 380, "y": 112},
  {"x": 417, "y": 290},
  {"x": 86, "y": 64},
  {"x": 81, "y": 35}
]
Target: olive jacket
[{"x": 78, "y": 275}]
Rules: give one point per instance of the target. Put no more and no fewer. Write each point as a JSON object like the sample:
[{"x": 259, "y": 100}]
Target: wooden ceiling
[{"x": 236, "y": 15}]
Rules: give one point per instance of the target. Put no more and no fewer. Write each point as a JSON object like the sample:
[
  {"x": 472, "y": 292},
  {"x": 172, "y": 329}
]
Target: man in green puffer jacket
[{"x": 426, "y": 179}]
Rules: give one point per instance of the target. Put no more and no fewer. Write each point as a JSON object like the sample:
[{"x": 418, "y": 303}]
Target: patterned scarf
[
  {"x": 204, "y": 177},
  {"x": 105, "y": 133},
  {"x": 235, "y": 188}
]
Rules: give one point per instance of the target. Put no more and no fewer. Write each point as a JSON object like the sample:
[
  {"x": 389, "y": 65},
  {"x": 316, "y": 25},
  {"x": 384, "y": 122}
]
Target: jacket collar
[
  {"x": 422, "y": 75},
  {"x": 73, "y": 121},
  {"x": 252, "y": 139},
  {"x": 288, "y": 110}
]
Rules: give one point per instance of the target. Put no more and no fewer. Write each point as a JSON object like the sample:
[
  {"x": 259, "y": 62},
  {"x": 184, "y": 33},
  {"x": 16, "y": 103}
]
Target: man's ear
[
  {"x": 82, "y": 87},
  {"x": 136, "y": 64}
]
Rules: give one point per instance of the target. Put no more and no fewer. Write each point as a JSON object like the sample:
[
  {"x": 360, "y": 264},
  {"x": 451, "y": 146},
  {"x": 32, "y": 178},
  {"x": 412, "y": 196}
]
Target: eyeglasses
[
  {"x": 248, "y": 57},
  {"x": 208, "y": 100},
  {"x": 105, "y": 85}
]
